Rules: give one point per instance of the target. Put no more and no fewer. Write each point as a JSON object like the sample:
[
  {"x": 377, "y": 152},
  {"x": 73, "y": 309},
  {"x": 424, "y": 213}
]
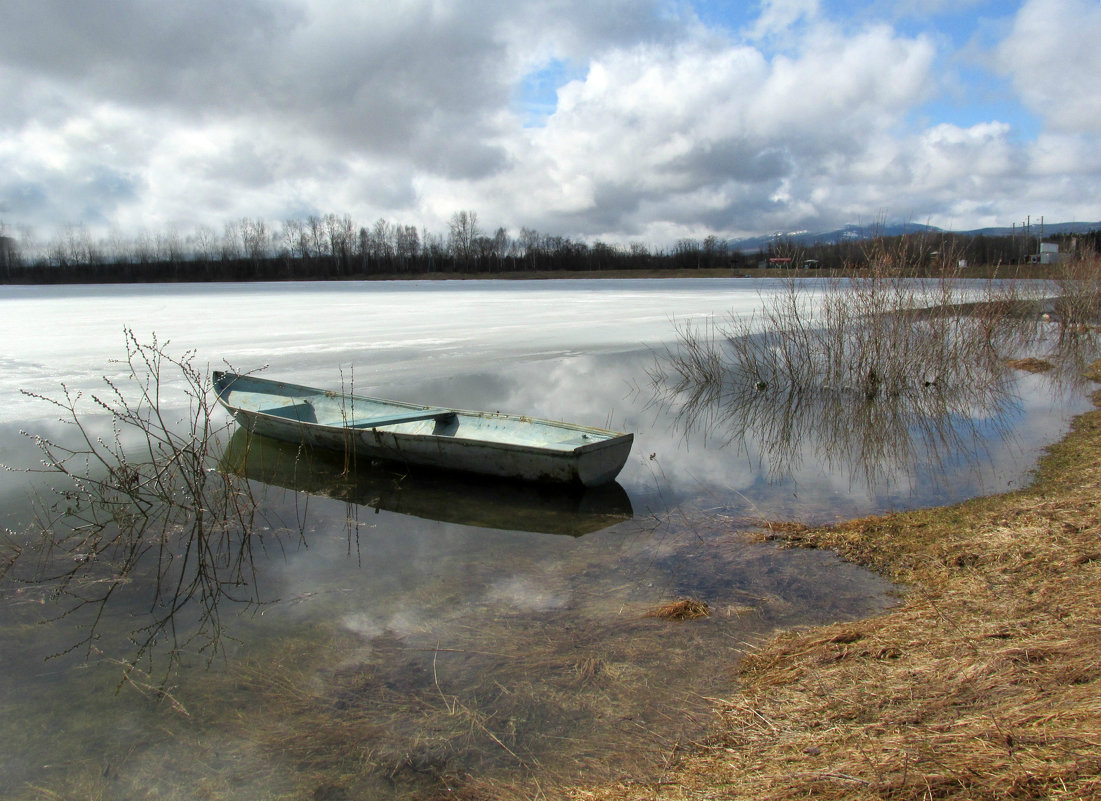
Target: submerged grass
[
  {"x": 512, "y": 703},
  {"x": 682, "y": 609},
  {"x": 505, "y": 703},
  {"x": 496, "y": 717},
  {"x": 985, "y": 683}
]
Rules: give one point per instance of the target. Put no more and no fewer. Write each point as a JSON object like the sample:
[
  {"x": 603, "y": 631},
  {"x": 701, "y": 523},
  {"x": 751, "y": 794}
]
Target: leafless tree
[
  {"x": 293, "y": 239},
  {"x": 406, "y": 242},
  {"x": 462, "y": 231},
  {"x": 169, "y": 247},
  {"x": 382, "y": 240},
  {"x": 254, "y": 238},
  {"x": 340, "y": 233},
  {"x": 204, "y": 243},
  {"x": 315, "y": 234},
  {"x": 231, "y": 242}
]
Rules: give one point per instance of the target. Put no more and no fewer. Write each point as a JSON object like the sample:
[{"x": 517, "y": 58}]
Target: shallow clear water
[{"x": 388, "y": 634}]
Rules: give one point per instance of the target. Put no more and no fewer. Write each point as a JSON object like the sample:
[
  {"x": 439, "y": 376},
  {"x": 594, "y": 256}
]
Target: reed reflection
[
  {"x": 878, "y": 376},
  {"x": 874, "y": 440}
]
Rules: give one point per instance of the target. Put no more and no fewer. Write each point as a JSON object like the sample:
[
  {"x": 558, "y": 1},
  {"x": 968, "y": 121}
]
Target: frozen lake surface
[
  {"x": 386, "y": 331},
  {"x": 437, "y": 630}
]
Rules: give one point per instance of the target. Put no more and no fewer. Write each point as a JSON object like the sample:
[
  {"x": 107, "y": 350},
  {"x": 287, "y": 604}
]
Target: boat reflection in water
[{"x": 428, "y": 494}]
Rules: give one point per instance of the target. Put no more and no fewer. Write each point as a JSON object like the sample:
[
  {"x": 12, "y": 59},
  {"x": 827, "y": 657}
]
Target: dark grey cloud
[
  {"x": 141, "y": 51},
  {"x": 424, "y": 86},
  {"x": 29, "y": 197},
  {"x": 741, "y": 160},
  {"x": 365, "y": 81},
  {"x": 89, "y": 195}
]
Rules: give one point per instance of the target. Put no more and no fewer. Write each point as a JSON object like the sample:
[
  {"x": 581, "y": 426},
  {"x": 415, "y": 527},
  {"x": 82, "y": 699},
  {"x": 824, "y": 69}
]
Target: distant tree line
[
  {"x": 329, "y": 247},
  {"x": 334, "y": 247},
  {"x": 925, "y": 250}
]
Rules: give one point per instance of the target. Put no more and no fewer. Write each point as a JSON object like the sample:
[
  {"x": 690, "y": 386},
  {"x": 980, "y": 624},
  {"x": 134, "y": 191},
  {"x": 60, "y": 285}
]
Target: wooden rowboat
[{"x": 488, "y": 443}]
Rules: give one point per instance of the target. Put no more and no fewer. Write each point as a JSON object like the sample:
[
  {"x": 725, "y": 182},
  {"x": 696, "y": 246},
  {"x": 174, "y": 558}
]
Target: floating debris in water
[
  {"x": 1030, "y": 365},
  {"x": 683, "y": 609}
]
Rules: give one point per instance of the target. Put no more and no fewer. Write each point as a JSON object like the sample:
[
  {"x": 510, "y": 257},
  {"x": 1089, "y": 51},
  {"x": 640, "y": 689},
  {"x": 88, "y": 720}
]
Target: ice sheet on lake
[{"x": 310, "y": 332}]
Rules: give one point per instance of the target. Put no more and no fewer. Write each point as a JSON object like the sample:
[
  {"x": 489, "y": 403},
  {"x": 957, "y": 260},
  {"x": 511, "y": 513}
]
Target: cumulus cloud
[
  {"x": 1052, "y": 56},
  {"x": 131, "y": 114},
  {"x": 668, "y": 131}
]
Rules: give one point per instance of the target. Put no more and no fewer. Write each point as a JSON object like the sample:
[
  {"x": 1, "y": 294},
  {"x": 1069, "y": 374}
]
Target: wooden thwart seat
[
  {"x": 442, "y": 415},
  {"x": 294, "y": 411}
]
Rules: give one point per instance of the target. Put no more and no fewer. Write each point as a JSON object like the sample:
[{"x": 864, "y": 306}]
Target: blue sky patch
[{"x": 536, "y": 98}]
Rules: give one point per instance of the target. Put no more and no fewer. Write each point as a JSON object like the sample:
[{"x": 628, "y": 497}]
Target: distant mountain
[
  {"x": 1047, "y": 229},
  {"x": 856, "y": 233}
]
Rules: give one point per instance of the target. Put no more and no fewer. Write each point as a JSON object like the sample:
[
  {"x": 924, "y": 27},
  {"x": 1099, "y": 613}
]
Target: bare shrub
[
  {"x": 144, "y": 501},
  {"x": 876, "y": 367},
  {"x": 1075, "y": 310}
]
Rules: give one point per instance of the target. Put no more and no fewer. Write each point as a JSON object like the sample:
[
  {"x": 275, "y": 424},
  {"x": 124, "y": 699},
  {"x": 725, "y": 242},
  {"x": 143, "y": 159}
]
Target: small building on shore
[{"x": 1049, "y": 254}]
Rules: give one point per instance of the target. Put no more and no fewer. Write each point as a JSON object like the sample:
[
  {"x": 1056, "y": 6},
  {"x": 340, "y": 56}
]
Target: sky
[{"x": 617, "y": 120}]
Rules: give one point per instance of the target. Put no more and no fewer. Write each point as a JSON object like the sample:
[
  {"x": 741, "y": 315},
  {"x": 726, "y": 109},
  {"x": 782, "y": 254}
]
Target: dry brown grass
[
  {"x": 681, "y": 609},
  {"x": 1031, "y": 365},
  {"x": 985, "y": 683}
]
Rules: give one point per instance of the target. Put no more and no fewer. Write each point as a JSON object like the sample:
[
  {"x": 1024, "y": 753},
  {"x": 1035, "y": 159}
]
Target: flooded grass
[
  {"x": 514, "y": 698},
  {"x": 880, "y": 376},
  {"x": 983, "y": 684},
  {"x": 887, "y": 332}
]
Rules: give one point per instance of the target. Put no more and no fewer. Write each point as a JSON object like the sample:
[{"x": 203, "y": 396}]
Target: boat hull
[{"x": 501, "y": 445}]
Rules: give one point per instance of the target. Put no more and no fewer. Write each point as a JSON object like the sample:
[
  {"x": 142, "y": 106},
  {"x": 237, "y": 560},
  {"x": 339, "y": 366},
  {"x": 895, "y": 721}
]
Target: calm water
[{"x": 389, "y": 635}]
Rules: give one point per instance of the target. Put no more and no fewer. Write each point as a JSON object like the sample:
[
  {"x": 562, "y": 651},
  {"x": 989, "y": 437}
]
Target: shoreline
[
  {"x": 1011, "y": 271},
  {"x": 984, "y": 683}
]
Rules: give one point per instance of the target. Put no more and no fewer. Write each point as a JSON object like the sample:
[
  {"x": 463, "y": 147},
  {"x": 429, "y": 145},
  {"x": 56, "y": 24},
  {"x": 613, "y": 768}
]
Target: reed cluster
[
  {"x": 882, "y": 331},
  {"x": 872, "y": 370}
]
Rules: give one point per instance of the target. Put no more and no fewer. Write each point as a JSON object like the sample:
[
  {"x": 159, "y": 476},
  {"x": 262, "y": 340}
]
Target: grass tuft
[
  {"x": 1031, "y": 365},
  {"x": 682, "y": 609}
]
